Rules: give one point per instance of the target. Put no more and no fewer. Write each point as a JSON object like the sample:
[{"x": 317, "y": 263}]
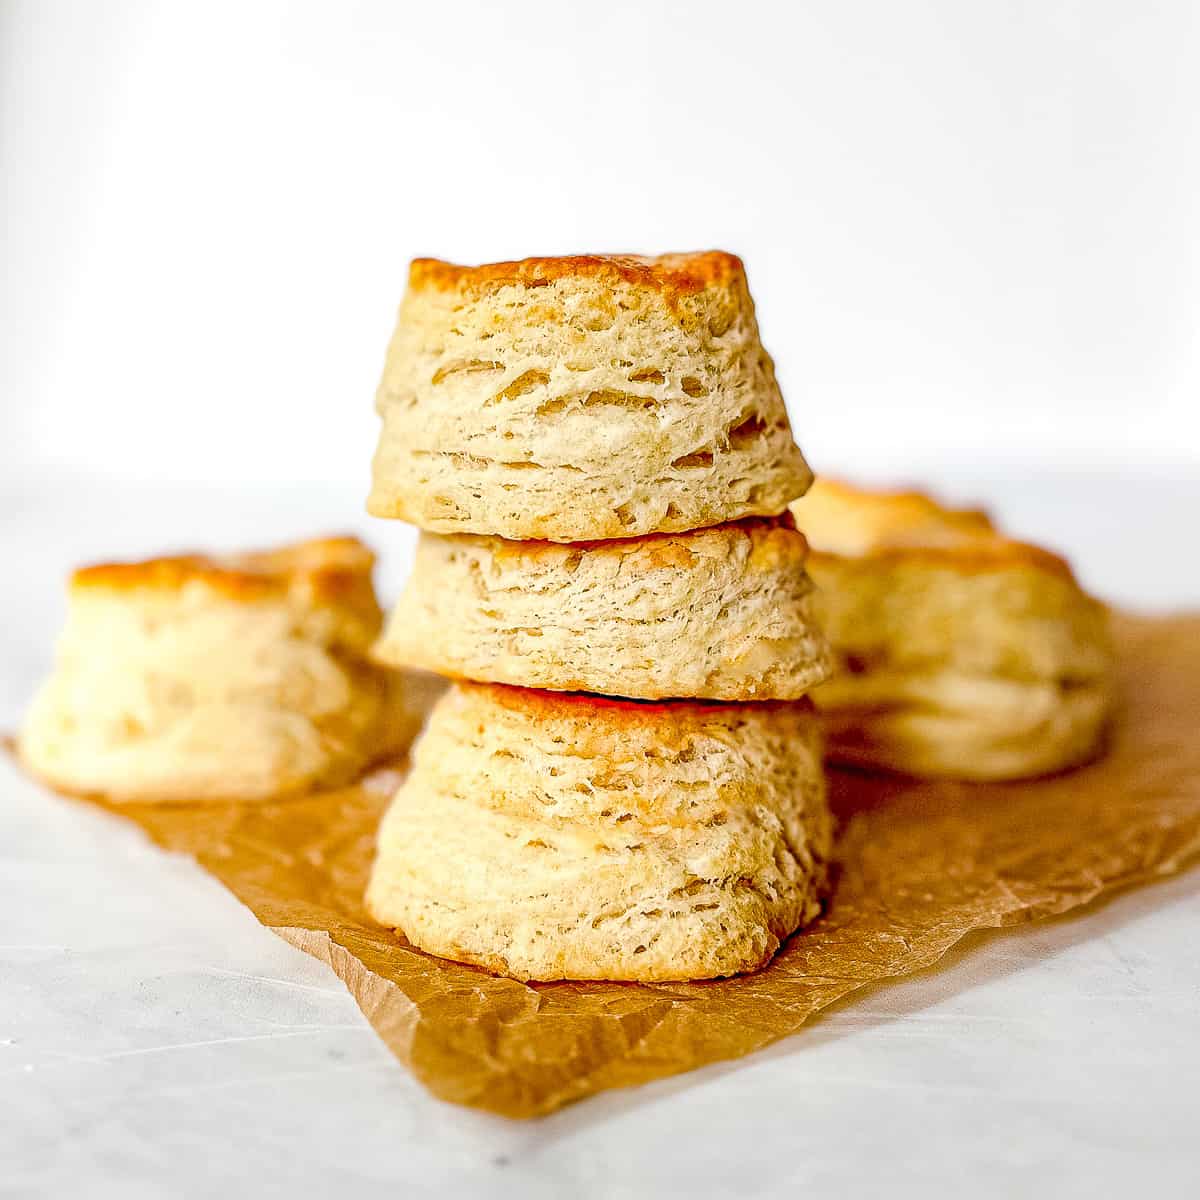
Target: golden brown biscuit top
[
  {"x": 584, "y": 714},
  {"x": 676, "y": 274},
  {"x": 774, "y": 541},
  {"x": 845, "y": 522},
  {"x": 333, "y": 570}
]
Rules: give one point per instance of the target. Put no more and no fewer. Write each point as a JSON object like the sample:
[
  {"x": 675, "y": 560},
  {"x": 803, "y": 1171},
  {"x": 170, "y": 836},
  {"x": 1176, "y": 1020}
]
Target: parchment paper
[{"x": 919, "y": 866}]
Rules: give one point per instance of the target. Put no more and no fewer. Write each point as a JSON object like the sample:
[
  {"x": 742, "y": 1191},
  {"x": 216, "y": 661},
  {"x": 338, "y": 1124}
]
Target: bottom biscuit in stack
[{"x": 567, "y": 836}]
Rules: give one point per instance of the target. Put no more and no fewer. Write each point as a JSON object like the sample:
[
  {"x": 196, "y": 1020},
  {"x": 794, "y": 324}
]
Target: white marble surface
[{"x": 155, "y": 1041}]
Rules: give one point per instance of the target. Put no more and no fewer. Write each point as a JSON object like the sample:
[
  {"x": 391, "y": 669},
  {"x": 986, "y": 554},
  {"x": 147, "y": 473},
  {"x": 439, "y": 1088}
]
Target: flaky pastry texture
[
  {"x": 198, "y": 678},
  {"x": 559, "y": 836},
  {"x": 722, "y": 613},
  {"x": 571, "y": 399},
  {"x": 960, "y": 653}
]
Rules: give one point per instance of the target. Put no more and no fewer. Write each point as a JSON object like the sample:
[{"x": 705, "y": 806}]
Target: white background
[
  {"x": 971, "y": 227},
  {"x": 972, "y": 231}
]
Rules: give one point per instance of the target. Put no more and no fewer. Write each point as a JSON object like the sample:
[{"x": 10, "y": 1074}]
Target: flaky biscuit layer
[
  {"x": 552, "y": 836},
  {"x": 722, "y": 613},
  {"x": 961, "y": 653},
  {"x": 192, "y": 678},
  {"x": 581, "y": 398}
]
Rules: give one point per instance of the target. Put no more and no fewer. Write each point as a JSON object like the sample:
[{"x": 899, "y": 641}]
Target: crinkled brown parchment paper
[{"x": 919, "y": 866}]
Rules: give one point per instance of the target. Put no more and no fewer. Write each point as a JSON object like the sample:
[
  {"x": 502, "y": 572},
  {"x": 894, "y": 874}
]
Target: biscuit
[
  {"x": 572, "y": 399},
  {"x": 194, "y": 678},
  {"x": 722, "y": 613},
  {"x": 560, "y": 836},
  {"x": 961, "y": 653}
]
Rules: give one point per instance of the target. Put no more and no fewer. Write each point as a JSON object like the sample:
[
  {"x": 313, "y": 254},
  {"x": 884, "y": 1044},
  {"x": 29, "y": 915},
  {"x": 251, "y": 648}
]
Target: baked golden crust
[
  {"x": 850, "y": 522},
  {"x": 320, "y": 574},
  {"x": 961, "y": 652},
  {"x": 722, "y": 613},
  {"x": 326, "y": 566},
  {"x": 552, "y": 836},
  {"x": 671, "y": 274},
  {"x": 666, "y": 545},
  {"x": 571, "y": 400},
  {"x": 597, "y": 725},
  {"x": 841, "y": 512}
]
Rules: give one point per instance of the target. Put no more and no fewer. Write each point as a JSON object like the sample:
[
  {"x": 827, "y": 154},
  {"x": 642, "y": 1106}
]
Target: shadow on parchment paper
[{"x": 973, "y": 963}]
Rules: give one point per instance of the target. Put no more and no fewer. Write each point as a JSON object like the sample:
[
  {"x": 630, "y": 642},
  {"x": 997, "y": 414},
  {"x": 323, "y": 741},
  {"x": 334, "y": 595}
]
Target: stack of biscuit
[{"x": 625, "y": 780}]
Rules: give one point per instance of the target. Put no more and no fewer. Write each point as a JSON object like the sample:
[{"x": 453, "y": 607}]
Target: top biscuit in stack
[{"x": 581, "y": 398}]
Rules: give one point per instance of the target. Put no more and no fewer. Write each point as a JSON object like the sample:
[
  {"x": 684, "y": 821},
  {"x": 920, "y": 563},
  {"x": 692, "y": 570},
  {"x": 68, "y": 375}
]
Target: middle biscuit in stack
[{"x": 599, "y": 457}]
